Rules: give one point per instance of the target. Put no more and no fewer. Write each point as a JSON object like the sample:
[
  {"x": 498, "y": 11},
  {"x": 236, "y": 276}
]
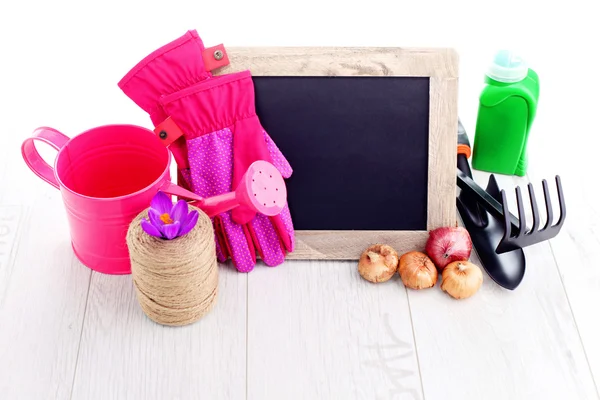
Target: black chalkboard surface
[{"x": 358, "y": 147}]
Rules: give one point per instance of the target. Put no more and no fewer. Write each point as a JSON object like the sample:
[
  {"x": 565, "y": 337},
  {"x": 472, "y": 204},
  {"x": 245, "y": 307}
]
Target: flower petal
[
  {"x": 180, "y": 211},
  {"x": 171, "y": 230},
  {"x": 161, "y": 202},
  {"x": 154, "y": 217},
  {"x": 150, "y": 229},
  {"x": 190, "y": 223}
]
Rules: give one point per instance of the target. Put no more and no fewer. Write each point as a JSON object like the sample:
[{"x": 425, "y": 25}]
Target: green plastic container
[{"x": 507, "y": 108}]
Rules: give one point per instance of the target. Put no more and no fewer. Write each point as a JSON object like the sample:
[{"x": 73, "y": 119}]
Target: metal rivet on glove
[
  {"x": 163, "y": 134},
  {"x": 218, "y": 54}
]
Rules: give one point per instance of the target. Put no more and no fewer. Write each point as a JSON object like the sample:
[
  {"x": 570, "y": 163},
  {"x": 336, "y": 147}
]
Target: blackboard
[
  {"x": 355, "y": 145},
  {"x": 371, "y": 136}
]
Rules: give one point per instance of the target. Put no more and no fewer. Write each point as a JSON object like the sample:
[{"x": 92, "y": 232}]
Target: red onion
[{"x": 448, "y": 244}]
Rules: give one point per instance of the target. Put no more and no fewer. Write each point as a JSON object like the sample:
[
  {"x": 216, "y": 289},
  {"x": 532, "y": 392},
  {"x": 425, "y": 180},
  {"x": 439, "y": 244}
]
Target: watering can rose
[{"x": 168, "y": 220}]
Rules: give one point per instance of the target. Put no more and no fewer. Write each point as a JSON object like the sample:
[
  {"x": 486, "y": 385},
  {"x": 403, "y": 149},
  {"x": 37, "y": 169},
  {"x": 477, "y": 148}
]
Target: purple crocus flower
[{"x": 168, "y": 221}]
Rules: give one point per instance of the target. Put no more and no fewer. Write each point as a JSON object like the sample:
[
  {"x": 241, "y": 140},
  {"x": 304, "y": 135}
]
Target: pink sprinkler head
[{"x": 262, "y": 189}]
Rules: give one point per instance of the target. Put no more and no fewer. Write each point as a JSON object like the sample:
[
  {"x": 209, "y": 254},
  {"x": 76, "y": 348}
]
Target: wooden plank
[
  {"x": 562, "y": 144},
  {"x": 575, "y": 247},
  {"x": 441, "y": 185},
  {"x": 502, "y": 344},
  {"x": 10, "y": 222},
  {"x": 42, "y": 309},
  {"x": 126, "y": 355},
  {"x": 343, "y": 61},
  {"x": 43, "y": 288},
  {"x": 317, "y": 330},
  {"x": 348, "y": 245}
]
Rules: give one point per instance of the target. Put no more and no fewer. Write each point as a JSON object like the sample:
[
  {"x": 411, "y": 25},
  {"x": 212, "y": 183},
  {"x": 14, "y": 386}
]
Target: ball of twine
[{"x": 176, "y": 281}]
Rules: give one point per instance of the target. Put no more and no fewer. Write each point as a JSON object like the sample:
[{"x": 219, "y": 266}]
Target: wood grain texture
[
  {"x": 43, "y": 288},
  {"x": 348, "y": 245},
  {"x": 575, "y": 248},
  {"x": 124, "y": 355},
  {"x": 317, "y": 330},
  {"x": 343, "y": 61},
  {"x": 441, "y": 65},
  {"x": 42, "y": 308},
  {"x": 443, "y": 128},
  {"x": 501, "y": 344},
  {"x": 10, "y": 222}
]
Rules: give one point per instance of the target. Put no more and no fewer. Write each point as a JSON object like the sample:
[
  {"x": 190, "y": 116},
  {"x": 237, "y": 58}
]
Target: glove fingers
[
  {"x": 241, "y": 247},
  {"x": 248, "y": 147},
  {"x": 284, "y": 227},
  {"x": 210, "y": 158},
  {"x": 267, "y": 241},
  {"x": 277, "y": 157},
  {"x": 220, "y": 242},
  {"x": 184, "y": 179}
]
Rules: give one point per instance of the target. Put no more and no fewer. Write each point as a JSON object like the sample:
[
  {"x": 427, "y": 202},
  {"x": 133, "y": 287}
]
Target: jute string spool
[{"x": 176, "y": 281}]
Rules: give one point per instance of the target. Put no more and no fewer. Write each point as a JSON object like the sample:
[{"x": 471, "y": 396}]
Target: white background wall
[{"x": 60, "y": 60}]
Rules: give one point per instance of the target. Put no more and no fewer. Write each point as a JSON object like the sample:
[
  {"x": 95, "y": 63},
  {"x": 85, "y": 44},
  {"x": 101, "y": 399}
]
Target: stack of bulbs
[{"x": 447, "y": 252}]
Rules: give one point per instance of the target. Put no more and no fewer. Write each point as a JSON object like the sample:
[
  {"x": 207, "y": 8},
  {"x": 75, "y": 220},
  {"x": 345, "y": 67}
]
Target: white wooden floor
[{"x": 303, "y": 330}]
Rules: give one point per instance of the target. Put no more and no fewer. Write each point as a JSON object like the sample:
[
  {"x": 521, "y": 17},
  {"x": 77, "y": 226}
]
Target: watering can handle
[{"x": 32, "y": 158}]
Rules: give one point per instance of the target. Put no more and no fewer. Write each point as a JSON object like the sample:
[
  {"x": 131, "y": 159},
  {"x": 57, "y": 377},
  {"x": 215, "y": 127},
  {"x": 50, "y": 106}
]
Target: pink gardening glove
[
  {"x": 170, "y": 68},
  {"x": 223, "y": 137}
]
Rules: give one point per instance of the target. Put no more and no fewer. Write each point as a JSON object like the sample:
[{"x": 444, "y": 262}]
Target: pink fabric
[
  {"x": 248, "y": 146},
  {"x": 172, "y": 67},
  {"x": 211, "y": 162},
  {"x": 212, "y": 104},
  {"x": 215, "y": 116}
]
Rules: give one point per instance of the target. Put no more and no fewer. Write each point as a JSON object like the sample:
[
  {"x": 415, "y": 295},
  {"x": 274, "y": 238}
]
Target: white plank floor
[
  {"x": 304, "y": 330},
  {"x": 318, "y": 330},
  {"x": 124, "y": 355}
]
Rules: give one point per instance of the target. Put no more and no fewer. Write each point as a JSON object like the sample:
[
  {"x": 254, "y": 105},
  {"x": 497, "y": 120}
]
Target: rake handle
[
  {"x": 489, "y": 203},
  {"x": 463, "y": 151},
  {"x": 464, "y": 180}
]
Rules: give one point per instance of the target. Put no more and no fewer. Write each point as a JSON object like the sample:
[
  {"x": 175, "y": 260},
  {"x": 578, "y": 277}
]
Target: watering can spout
[{"x": 261, "y": 189}]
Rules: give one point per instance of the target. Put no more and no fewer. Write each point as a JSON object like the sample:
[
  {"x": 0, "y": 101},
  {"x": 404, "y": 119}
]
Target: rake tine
[
  {"x": 505, "y": 212},
  {"x": 548, "y": 205},
  {"x": 561, "y": 202},
  {"x": 534, "y": 208},
  {"x": 522, "y": 219}
]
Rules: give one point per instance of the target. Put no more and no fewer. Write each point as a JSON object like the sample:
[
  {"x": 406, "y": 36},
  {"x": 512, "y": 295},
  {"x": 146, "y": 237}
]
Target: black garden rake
[
  {"x": 524, "y": 237},
  {"x": 498, "y": 236},
  {"x": 516, "y": 234}
]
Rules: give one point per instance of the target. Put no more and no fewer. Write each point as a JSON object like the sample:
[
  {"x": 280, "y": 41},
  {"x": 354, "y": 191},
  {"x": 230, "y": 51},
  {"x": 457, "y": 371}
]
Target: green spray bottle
[{"x": 507, "y": 108}]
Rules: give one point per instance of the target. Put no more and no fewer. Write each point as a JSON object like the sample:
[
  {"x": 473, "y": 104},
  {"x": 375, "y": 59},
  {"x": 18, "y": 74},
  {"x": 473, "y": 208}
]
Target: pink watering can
[{"x": 107, "y": 175}]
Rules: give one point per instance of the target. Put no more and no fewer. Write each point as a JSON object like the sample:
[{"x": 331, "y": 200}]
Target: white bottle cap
[{"x": 507, "y": 67}]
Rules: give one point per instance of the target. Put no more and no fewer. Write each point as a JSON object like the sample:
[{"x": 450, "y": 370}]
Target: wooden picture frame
[{"x": 439, "y": 65}]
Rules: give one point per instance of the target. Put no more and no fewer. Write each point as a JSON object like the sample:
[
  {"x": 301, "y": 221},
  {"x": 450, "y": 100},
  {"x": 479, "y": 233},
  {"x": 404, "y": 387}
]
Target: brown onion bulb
[
  {"x": 417, "y": 270},
  {"x": 461, "y": 279},
  {"x": 378, "y": 263}
]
